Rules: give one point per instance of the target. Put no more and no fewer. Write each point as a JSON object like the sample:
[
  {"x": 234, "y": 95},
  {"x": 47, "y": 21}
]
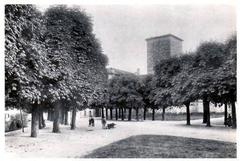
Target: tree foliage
[
  {"x": 26, "y": 63},
  {"x": 165, "y": 72},
  {"x": 209, "y": 73},
  {"x": 75, "y": 53},
  {"x": 124, "y": 91},
  {"x": 183, "y": 82},
  {"x": 53, "y": 58}
]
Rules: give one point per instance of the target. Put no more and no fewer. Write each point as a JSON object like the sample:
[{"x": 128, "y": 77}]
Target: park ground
[{"x": 82, "y": 141}]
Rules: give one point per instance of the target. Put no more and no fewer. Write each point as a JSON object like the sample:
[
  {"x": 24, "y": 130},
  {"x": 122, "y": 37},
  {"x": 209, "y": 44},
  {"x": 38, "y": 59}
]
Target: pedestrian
[
  {"x": 229, "y": 121},
  {"x": 91, "y": 121},
  {"x": 104, "y": 123}
]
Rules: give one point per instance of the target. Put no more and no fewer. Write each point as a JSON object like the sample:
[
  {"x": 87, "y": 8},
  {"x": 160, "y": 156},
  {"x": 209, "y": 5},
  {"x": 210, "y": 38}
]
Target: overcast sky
[{"x": 122, "y": 29}]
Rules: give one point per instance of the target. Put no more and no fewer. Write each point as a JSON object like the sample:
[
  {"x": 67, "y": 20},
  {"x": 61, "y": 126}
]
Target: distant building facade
[
  {"x": 162, "y": 47},
  {"x": 117, "y": 72}
]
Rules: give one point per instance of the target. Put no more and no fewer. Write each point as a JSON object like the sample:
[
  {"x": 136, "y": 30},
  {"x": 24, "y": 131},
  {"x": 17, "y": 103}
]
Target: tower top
[{"x": 163, "y": 36}]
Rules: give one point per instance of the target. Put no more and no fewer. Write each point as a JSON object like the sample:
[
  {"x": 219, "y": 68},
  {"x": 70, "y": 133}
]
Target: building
[
  {"x": 117, "y": 72},
  {"x": 162, "y": 47}
]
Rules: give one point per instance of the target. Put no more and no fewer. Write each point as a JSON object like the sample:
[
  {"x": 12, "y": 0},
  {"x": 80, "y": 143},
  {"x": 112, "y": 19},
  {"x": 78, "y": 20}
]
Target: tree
[
  {"x": 165, "y": 71},
  {"x": 50, "y": 59},
  {"x": 124, "y": 94},
  {"x": 115, "y": 94},
  {"x": 231, "y": 50},
  {"x": 209, "y": 56},
  {"x": 76, "y": 56},
  {"x": 26, "y": 62},
  {"x": 183, "y": 84},
  {"x": 100, "y": 99},
  {"x": 225, "y": 82},
  {"x": 148, "y": 85},
  {"x": 209, "y": 75}
]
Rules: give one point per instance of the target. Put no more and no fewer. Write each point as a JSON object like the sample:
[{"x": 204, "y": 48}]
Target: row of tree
[
  {"x": 208, "y": 74},
  {"x": 53, "y": 62}
]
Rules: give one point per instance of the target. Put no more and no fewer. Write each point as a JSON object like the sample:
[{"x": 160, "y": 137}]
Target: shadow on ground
[{"x": 157, "y": 146}]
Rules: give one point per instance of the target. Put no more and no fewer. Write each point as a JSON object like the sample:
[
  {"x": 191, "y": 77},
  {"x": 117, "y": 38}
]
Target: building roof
[
  {"x": 117, "y": 71},
  {"x": 162, "y": 36}
]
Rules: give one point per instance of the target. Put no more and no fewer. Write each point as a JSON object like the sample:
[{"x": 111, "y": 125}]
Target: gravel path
[{"x": 79, "y": 142}]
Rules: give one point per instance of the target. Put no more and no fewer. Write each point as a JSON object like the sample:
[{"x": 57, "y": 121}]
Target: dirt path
[{"x": 76, "y": 143}]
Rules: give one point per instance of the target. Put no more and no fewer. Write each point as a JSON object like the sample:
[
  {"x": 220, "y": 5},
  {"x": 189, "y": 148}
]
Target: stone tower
[{"x": 162, "y": 47}]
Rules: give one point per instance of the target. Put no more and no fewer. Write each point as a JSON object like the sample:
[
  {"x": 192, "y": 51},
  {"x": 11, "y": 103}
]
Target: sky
[{"x": 122, "y": 29}]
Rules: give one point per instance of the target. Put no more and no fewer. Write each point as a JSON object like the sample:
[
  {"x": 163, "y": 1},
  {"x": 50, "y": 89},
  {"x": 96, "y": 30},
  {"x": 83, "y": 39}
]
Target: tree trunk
[
  {"x": 116, "y": 113},
  {"x": 205, "y": 108},
  {"x": 234, "y": 119},
  {"x": 48, "y": 116},
  {"x": 73, "y": 122},
  {"x": 43, "y": 121},
  {"x": 97, "y": 111},
  {"x": 144, "y": 113},
  {"x": 52, "y": 115},
  {"x": 153, "y": 114},
  {"x": 122, "y": 114},
  {"x": 130, "y": 114},
  {"x": 111, "y": 114},
  {"x": 106, "y": 110},
  {"x": 56, "y": 128},
  {"x": 225, "y": 113},
  {"x": 21, "y": 116},
  {"x": 188, "y": 113},
  {"x": 163, "y": 113},
  {"x": 62, "y": 116},
  {"x": 137, "y": 118},
  {"x": 40, "y": 119},
  {"x": 102, "y": 112},
  {"x": 125, "y": 113},
  {"x": 66, "y": 117},
  {"x": 208, "y": 114},
  {"x": 34, "y": 121},
  {"x": 119, "y": 113}
]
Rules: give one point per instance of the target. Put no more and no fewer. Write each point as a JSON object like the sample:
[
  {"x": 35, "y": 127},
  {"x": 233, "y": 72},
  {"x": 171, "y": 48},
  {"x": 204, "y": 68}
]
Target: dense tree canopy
[
  {"x": 208, "y": 74},
  {"x": 75, "y": 53},
  {"x": 25, "y": 58},
  {"x": 183, "y": 82},
  {"x": 52, "y": 58},
  {"x": 165, "y": 72},
  {"x": 209, "y": 56},
  {"x": 124, "y": 92},
  {"x": 226, "y": 73},
  {"x": 147, "y": 91}
]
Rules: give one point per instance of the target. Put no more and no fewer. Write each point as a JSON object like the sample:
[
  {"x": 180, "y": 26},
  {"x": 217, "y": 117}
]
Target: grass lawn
[{"x": 158, "y": 146}]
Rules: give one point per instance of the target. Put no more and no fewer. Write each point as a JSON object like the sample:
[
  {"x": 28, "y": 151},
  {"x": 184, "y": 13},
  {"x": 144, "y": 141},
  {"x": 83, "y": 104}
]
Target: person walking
[
  {"x": 104, "y": 123},
  {"x": 91, "y": 121},
  {"x": 229, "y": 121}
]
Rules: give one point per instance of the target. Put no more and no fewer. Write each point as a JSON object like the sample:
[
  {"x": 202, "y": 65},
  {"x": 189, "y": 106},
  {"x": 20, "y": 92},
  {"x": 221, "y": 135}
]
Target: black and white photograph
[{"x": 120, "y": 80}]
